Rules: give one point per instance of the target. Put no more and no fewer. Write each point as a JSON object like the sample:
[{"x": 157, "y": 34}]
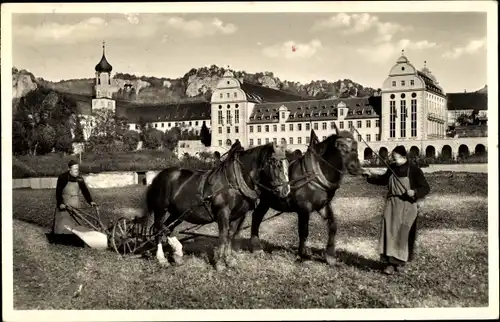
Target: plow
[{"x": 128, "y": 237}]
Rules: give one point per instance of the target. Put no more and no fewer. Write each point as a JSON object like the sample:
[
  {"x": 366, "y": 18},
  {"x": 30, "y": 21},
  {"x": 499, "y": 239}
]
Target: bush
[
  {"x": 131, "y": 139},
  {"x": 424, "y": 161}
]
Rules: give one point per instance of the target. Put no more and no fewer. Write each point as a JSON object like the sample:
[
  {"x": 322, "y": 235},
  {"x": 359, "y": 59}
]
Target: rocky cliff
[{"x": 197, "y": 84}]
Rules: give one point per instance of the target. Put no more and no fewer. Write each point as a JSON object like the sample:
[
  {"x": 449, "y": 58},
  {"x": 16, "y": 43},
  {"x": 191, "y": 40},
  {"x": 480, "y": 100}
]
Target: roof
[
  {"x": 165, "y": 112},
  {"x": 315, "y": 110},
  {"x": 467, "y": 101},
  {"x": 103, "y": 66},
  {"x": 259, "y": 94},
  {"x": 429, "y": 84}
]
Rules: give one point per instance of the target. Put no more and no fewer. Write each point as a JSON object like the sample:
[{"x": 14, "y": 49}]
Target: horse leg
[
  {"x": 304, "y": 251},
  {"x": 160, "y": 255},
  {"x": 235, "y": 228},
  {"x": 257, "y": 217},
  {"x": 332, "y": 232},
  {"x": 220, "y": 253}
]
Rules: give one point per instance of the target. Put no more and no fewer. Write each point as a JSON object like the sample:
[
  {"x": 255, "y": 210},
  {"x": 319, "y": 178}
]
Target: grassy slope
[{"x": 451, "y": 266}]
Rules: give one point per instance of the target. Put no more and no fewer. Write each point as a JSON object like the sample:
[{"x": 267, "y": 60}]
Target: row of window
[
  {"x": 183, "y": 123},
  {"x": 324, "y": 126},
  {"x": 221, "y": 95},
  {"x": 403, "y": 116},
  {"x": 228, "y": 129},
  {"x": 403, "y": 83},
  {"x": 229, "y": 117},
  {"x": 229, "y": 106},
  {"x": 299, "y": 140}
]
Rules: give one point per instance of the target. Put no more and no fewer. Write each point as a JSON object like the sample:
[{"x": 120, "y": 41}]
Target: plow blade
[{"x": 92, "y": 238}]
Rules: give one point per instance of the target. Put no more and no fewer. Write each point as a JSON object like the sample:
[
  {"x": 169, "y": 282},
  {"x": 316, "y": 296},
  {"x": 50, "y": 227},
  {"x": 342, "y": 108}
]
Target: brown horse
[
  {"x": 220, "y": 195},
  {"x": 314, "y": 178}
]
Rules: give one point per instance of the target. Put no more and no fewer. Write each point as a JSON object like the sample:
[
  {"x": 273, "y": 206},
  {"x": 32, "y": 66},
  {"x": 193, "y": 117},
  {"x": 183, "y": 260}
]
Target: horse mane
[
  {"x": 259, "y": 153},
  {"x": 322, "y": 146}
]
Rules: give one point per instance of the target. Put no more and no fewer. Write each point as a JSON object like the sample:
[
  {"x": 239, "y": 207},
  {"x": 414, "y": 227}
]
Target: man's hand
[
  {"x": 93, "y": 204},
  {"x": 410, "y": 193},
  {"x": 62, "y": 206}
]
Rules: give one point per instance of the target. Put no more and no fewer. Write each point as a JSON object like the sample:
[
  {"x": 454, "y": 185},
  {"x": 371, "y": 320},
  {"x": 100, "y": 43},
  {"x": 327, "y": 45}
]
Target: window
[
  {"x": 359, "y": 137},
  {"x": 282, "y": 115},
  {"x": 228, "y": 130},
  {"x": 283, "y": 128},
  {"x": 332, "y": 125},
  {"x": 235, "y": 94},
  {"x": 349, "y": 124},
  {"x": 219, "y": 117},
  {"x": 190, "y": 123},
  {"x": 156, "y": 124},
  {"x": 308, "y": 139},
  {"x": 323, "y": 125},
  {"x": 359, "y": 124},
  {"x": 403, "y": 83},
  {"x": 403, "y": 114},
  {"x": 290, "y": 139},
  {"x": 251, "y": 142},
  {"x": 392, "y": 120},
  {"x": 267, "y": 140},
  {"x": 228, "y": 96},
  {"x": 315, "y": 126},
  {"x": 299, "y": 140},
  {"x": 220, "y": 141},
  {"x": 377, "y": 123},
  {"x": 251, "y": 128},
  {"x": 275, "y": 140},
  {"x": 324, "y": 138},
  {"x": 228, "y": 117},
  {"x": 169, "y": 124},
  {"x": 299, "y": 127},
  {"x": 220, "y": 130},
  {"x": 266, "y": 128},
  {"x": 393, "y": 83},
  {"x": 377, "y": 137},
  {"x": 221, "y": 96},
  {"x": 368, "y": 138},
  {"x": 308, "y": 126},
  {"x": 368, "y": 123},
  {"x": 259, "y": 141},
  {"x": 290, "y": 127},
  {"x": 413, "y": 118},
  {"x": 259, "y": 128},
  {"x": 196, "y": 123},
  {"x": 412, "y": 82},
  {"x": 136, "y": 127},
  {"x": 341, "y": 124},
  {"x": 283, "y": 141},
  {"x": 162, "y": 124},
  {"x": 341, "y": 112},
  {"x": 275, "y": 128},
  {"x": 236, "y": 129},
  {"x": 237, "y": 116}
]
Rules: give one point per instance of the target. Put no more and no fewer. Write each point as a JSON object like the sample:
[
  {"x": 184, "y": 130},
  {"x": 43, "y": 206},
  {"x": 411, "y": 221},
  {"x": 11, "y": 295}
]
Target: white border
[{"x": 210, "y": 315}]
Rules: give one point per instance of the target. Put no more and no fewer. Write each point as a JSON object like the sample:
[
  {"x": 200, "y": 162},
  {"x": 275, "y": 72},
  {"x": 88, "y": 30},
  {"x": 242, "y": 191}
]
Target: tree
[
  {"x": 152, "y": 138},
  {"x": 45, "y": 139},
  {"x": 63, "y": 142},
  {"x": 131, "y": 139},
  {"x": 171, "y": 138},
  {"x": 106, "y": 130},
  {"x": 205, "y": 135},
  {"x": 78, "y": 131}
]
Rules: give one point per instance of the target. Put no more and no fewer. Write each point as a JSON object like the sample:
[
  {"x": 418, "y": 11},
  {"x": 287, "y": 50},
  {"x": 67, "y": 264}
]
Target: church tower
[{"x": 103, "y": 88}]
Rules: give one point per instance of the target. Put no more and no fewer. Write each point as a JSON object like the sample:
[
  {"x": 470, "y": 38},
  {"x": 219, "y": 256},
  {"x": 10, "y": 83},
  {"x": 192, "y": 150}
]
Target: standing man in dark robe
[
  {"x": 398, "y": 231},
  {"x": 70, "y": 185}
]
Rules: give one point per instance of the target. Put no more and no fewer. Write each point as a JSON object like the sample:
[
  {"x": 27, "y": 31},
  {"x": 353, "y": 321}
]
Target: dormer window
[
  {"x": 393, "y": 83},
  {"x": 332, "y": 113},
  {"x": 300, "y": 116},
  {"x": 349, "y": 113},
  {"x": 324, "y": 114},
  {"x": 323, "y": 107},
  {"x": 316, "y": 114},
  {"x": 308, "y": 115},
  {"x": 307, "y": 108},
  {"x": 299, "y": 108},
  {"x": 259, "y": 118},
  {"x": 267, "y": 110},
  {"x": 291, "y": 117}
]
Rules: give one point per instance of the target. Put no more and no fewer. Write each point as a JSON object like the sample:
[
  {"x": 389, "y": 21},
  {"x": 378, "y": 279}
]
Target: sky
[{"x": 294, "y": 46}]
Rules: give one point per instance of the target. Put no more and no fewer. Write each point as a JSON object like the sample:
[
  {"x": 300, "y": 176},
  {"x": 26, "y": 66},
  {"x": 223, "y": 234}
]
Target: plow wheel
[{"x": 124, "y": 237}]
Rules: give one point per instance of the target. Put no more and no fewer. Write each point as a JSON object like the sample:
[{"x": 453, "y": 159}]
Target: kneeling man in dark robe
[
  {"x": 68, "y": 188},
  {"x": 398, "y": 231}
]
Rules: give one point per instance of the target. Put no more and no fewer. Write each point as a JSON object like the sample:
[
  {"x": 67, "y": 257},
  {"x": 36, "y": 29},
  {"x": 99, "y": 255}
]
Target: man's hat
[
  {"x": 72, "y": 163},
  {"x": 401, "y": 150}
]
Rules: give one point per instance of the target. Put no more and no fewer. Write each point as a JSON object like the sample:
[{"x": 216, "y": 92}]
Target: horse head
[{"x": 269, "y": 167}]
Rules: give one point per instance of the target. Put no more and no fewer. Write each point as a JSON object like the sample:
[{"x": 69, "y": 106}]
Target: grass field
[{"x": 450, "y": 270}]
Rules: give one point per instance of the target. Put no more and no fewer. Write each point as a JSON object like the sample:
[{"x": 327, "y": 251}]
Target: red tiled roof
[
  {"x": 312, "y": 110},
  {"x": 467, "y": 101}
]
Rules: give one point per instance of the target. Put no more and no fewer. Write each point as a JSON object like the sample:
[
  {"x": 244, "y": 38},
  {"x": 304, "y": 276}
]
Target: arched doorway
[
  {"x": 430, "y": 152},
  {"x": 228, "y": 142},
  {"x": 414, "y": 151},
  {"x": 383, "y": 152},
  {"x": 480, "y": 150},
  {"x": 446, "y": 152},
  {"x": 463, "y": 151},
  {"x": 368, "y": 154}
]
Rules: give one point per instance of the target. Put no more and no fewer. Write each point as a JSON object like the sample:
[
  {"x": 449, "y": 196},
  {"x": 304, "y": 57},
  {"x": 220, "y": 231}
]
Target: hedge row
[{"x": 144, "y": 160}]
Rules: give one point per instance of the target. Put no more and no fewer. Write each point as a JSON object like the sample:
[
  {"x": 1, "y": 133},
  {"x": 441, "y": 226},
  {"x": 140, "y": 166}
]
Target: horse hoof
[
  {"x": 219, "y": 267},
  {"x": 163, "y": 263},
  {"x": 330, "y": 260},
  {"x": 178, "y": 260},
  {"x": 305, "y": 254},
  {"x": 258, "y": 252}
]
